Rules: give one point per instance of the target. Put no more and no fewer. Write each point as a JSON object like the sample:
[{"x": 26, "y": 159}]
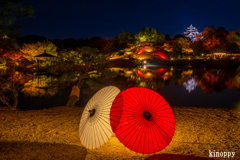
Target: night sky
[{"x": 61, "y": 19}]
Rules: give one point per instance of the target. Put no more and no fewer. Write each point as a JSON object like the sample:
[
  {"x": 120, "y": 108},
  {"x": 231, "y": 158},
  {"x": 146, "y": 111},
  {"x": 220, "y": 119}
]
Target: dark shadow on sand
[
  {"x": 175, "y": 157},
  {"x": 35, "y": 150}
]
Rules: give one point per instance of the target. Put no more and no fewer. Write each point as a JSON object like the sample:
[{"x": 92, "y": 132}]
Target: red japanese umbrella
[{"x": 142, "y": 120}]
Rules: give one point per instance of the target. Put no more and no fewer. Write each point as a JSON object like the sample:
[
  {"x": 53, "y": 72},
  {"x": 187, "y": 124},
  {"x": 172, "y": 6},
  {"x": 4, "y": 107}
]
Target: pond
[{"x": 179, "y": 86}]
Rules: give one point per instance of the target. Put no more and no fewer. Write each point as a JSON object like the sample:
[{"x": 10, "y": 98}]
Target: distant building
[{"x": 192, "y": 32}]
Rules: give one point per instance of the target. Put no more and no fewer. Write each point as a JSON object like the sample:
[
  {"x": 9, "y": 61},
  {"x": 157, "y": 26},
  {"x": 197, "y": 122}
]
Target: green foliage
[
  {"x": 69, "y": 57},
  {"x": 125, "y": 38},
  {"x": 149, "y": 35},
  {"x": 235, "y": 38},
  {"x": 115, "y": 54}
]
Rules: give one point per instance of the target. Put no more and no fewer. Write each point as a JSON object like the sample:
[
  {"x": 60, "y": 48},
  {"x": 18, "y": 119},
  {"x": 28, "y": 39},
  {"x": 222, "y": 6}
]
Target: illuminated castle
[{"x": 191, "y": 32}]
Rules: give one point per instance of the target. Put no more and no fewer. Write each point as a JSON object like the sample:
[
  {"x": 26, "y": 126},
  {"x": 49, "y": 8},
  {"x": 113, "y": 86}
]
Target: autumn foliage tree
[{"x": 34, "y": 49}]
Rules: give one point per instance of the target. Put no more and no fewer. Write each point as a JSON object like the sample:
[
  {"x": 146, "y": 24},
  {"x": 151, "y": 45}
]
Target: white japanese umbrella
[{"x": 95, "y": 128}]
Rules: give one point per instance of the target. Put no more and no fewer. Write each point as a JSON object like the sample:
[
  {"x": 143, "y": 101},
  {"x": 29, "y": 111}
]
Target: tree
[
  {"x": 9, "y": 87},
  {"x": 180, "y": 46},
  {"x": 167, "y": 37},
  {"x": 34, "y": 49},
  {"x": 88, "y": 66},
  {"x": 149, "y": 35},
  {"x": 234, "y": 37},
  {"x": 214, "y": 39},
  {"x": 197, "y": 47},
  {"x": 10, "y": 12}
]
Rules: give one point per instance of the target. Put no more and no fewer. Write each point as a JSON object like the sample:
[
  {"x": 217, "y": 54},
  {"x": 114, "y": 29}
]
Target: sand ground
[{"x": 53, "y": 134}]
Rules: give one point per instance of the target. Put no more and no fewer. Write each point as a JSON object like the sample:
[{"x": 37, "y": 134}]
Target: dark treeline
[{"x": 69, "y": 44}]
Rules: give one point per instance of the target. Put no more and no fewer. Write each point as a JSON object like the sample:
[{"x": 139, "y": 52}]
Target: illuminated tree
[
  {"x": 10, "y": 84},
  {"x": 149, "y": 35},
  {"x": 167, "y": 46},
  {"x": 234, "y": 37},
  {"x": 34, "y": 49},
  {"x": 214, "y": 39}
]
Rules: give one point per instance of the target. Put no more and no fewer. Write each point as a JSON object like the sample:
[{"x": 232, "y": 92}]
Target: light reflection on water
[{"x": 180, "y": 87}]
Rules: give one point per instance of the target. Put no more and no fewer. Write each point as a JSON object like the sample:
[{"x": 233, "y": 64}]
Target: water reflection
[
  {"x": 188, "y": 81},
  {"x": 209, "y": 80}
]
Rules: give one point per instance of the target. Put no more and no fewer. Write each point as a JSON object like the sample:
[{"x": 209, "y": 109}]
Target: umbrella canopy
[
  {"x": 142, "y": 120},
  {"x": 95, "y": 128}
]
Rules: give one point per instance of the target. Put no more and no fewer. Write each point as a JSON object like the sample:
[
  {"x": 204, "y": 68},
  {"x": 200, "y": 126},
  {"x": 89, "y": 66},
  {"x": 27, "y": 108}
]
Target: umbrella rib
[
  {"x": 164, "y": 120},
  {"x": 109, "y": 94},
  {"x": 145, "y": 98},
  {"x": 104, "y": 125},
  {"x": 129, "y": 129},
  {"x": 116, "y": 116},
  {"x": 100, "y": 133},
  {"x": 159, "y": 130},
  {"x": 157, "y": 104},
  {"x": 108, "y": 98},
  {"x": 144, "y": 139},
  {"x": 163, "y": 109},
  {"x": 152, "y": 139},
  {"x": 94, "y": 138},
  {"x": 140, "y": 98},
  {"x": 168, "y": 129},
  {"x": 135, "y": 105},
  {"x": 117, "y": 106},
  {"x": 140, "y": 137},
  {"x": 164, "y": 132},
  {"x": 152, "y": 100},
  {"x": 135, "y": 138},
  {"x": 103, "y": 129},
  {"x": 117, "y": 102},
  {"x": 125, "y": 125},
  {"x": 148, "y": 99},
  {"x": 155, "y": 136},
  {"x": 132, "y": 109},
  {"x": 135, "y": 97},
  {"x": 87, "y": 139},
  {"x": 83, "y": 129},
  {"x": 83, "y": 124}
]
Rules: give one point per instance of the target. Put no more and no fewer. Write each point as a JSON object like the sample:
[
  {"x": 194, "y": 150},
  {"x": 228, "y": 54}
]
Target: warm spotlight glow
[
  {"x": 140, "y": 73},
  {"x": 171, "y": 68},
  {"x": 140, "y": 51},
  {"x": 144, "y": 67},
  {"x": 171, "y": 58}
]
